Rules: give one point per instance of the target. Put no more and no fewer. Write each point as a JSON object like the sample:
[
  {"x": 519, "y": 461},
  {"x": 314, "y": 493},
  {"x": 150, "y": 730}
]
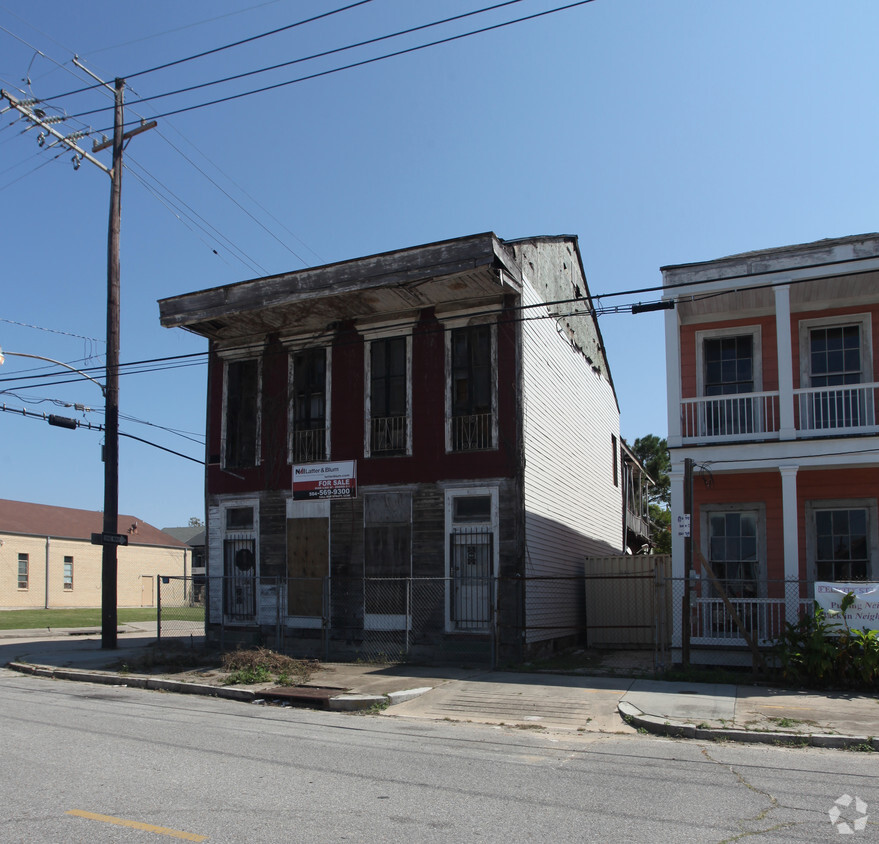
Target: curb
[
  {"x": 662, "y": 727},
  {"x": 339, "y": 703}
]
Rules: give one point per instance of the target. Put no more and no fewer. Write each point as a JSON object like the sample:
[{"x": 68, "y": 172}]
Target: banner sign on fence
[
  {"x": 863, "y": 614},
  {"x": 325, "y": 480}
]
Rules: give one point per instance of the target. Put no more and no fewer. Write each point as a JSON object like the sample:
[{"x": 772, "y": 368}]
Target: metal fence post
[
  {"x": 159, "y": 608},
  {"x": 279, "y": 610}
]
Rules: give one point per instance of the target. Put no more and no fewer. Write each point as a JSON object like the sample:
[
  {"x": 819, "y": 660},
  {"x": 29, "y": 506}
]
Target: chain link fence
[{"x": 485, "y": 621}]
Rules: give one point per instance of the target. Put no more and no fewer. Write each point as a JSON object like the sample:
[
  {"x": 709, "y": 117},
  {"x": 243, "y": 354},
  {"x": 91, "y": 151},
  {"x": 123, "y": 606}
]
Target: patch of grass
[
  {"x": 786, "y": 723},
  {"x": 248, "y": 676},
  {"x": 90, "y": 617},
  {"x": 863, "y": 747}
]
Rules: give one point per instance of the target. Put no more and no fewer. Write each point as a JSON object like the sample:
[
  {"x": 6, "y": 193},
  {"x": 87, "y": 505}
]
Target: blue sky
[{"x": 658, "y": 132}]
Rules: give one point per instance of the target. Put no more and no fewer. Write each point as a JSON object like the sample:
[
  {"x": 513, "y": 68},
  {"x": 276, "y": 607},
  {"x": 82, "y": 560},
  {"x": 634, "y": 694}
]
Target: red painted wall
[{"x": 428, "y": 462}]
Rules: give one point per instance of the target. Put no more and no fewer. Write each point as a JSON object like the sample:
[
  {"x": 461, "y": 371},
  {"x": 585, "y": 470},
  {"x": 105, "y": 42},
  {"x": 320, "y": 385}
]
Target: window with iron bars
[
  {"x": 472, "y": 419},
  {"x": 309, "y": 399},
  {"x": 388, "y": 407}
]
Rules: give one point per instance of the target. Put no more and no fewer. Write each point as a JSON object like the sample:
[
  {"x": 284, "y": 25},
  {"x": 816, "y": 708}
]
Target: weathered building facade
[{"x": 399, "y": 444}]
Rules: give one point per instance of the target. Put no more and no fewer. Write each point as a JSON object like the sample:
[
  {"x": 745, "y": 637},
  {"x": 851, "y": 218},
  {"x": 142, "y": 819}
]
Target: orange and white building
[{"x": 772, "y": 392}]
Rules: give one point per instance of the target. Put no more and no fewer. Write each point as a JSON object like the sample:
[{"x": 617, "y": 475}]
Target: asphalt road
[{"x": 80, "y": 762}]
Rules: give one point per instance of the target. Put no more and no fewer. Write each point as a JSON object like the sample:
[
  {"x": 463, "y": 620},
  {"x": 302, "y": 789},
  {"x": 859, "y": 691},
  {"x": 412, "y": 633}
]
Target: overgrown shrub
[
  {"x": 814, "y": 651},
  {"x": 261, "y": 665}
]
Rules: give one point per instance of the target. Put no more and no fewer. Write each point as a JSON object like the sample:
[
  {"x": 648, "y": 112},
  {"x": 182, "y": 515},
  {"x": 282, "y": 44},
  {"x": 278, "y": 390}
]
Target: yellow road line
[{"x": 146, "y": 827}]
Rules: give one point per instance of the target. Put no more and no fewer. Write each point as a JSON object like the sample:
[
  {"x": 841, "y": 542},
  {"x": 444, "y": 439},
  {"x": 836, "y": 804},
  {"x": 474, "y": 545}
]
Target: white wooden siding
[{"x": 572, "y": 508}]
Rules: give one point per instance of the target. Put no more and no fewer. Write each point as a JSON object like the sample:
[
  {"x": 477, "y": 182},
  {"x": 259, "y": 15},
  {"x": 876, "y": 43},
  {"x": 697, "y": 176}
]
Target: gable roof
[
  {"x": 28, "y": 519},
  {"x": 192, "y": 536}
]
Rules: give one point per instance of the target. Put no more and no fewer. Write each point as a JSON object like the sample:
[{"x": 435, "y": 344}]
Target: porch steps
[{"x": 310, "y": 697}]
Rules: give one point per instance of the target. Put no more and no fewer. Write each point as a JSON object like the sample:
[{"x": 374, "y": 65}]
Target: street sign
[
  {"x": 109, "y": 539},
  {"x": 683, "y": 524}
]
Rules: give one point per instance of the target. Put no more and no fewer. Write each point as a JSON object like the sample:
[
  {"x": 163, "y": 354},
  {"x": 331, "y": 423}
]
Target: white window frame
[
  {"x": 291, "y": 399},
  {"x": 23, "y": 558},
  {"x": 246, "y": 355},
  {"x": 864, "y": 321},
  {"x": 370, "y": 337},
  {"x": 232, "y": 504},
  {"x": 868, "y": 504},
  {"x": 68, "y": 561},
  {"x": 720, "y": 333},
  {"x": 451, "y": 493},
  {"x": 466, "y": 322},
  {"x": 758, "y": 507}
]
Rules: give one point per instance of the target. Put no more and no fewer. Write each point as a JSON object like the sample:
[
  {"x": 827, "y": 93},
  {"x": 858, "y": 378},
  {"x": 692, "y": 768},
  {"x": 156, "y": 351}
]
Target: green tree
[
  {"x": 652, "y": 451},
  {"x": 195, "y": 521}
]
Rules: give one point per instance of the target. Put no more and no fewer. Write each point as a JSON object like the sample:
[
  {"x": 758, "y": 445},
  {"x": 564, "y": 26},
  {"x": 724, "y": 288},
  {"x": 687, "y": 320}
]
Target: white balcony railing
[
  {"x": 848, "y": 408},
  {"x": 743, "y": 416},
  {"x": 844, "y": 409}
]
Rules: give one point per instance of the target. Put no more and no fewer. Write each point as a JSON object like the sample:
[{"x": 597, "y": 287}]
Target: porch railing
[
  {"x": 763, "y": 618},
  {"x": 843, "y": 409}
]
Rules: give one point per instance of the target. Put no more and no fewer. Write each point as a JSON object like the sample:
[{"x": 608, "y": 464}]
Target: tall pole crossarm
[{"x": 23, "y": 107}]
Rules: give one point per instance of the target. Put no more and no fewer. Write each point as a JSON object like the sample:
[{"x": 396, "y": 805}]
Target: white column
[
  {"x": 673, "y": 376},
  {"x": 785, "y": 363},
  {"x": 790, "y": 532},
  {"x": 676, "y": 476}
]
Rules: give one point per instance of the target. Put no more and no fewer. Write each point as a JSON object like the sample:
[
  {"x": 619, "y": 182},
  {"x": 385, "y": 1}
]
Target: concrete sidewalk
[{"x": 536, "y": 700}]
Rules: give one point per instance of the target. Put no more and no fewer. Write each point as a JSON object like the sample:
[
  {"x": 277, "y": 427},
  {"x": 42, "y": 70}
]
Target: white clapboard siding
[{"x": 572, "y": 507}]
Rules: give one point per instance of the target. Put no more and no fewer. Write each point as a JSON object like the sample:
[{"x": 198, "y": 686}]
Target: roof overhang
[
  {"x": 844, "y": 271},
  {"x": 475, "y": 270}
]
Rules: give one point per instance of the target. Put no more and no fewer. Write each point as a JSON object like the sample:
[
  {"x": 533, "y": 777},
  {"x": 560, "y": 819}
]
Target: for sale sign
[{"x": 314, "y": 481}]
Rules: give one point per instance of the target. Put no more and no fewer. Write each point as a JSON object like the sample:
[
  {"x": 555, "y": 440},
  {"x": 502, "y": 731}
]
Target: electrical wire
[
  {"x": 214, "y": 50},
  {"x": 313, "y": 56},
  {"x": 362, "y": 63}
]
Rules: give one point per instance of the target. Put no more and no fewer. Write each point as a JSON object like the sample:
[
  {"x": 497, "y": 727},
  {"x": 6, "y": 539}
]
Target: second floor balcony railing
[
  {"x": 388, "y": 435},
  {"x": 847, "y": 408},
  {"x": 742, "y": 416},
  {"x": 309, "y": 445},
  {"x": 817, "y": 411},
  {"x": 472, "y": 432}
]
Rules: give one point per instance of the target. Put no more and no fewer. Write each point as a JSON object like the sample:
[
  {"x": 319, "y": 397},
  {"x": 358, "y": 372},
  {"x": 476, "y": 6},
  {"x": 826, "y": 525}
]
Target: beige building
[{"x": 47, "y": 559}]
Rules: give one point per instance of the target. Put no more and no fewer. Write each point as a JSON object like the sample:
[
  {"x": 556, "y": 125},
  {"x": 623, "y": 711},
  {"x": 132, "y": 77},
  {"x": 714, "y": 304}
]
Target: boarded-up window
[
  {"x": 387, "y": 551},
  {"x": 241, "y": 423},
  {"x": 307, "y": 565}
]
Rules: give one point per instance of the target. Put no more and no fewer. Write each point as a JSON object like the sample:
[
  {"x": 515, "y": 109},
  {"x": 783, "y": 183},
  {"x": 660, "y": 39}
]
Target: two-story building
[
  {"x": 417, "y": 448},
  {"x": 772, "y": 392}
]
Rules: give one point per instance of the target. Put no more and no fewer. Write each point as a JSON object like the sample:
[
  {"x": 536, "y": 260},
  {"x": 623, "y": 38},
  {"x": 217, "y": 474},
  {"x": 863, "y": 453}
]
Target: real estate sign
[
  {"x": 863, "y": 614},
  {"x": 313, "y": 481}
]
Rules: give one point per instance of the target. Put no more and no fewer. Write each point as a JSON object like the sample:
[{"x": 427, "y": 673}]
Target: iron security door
[
  {"x": 239, "y": 601},
  {"x": 471, "y": 555}
]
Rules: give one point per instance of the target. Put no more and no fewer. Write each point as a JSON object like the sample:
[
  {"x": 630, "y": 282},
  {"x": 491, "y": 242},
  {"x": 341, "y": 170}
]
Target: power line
[
  {"x": 77, "y": 423},
  {"x": 313, "y": 56},
  {"x": 224, "y": 47},
  {"x": 362, "y": 63}
]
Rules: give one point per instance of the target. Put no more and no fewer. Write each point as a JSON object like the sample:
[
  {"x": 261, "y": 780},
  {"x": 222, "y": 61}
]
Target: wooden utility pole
[
  {"x": 109, "y": 539},
  {"x": 111, "y": 413}
]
